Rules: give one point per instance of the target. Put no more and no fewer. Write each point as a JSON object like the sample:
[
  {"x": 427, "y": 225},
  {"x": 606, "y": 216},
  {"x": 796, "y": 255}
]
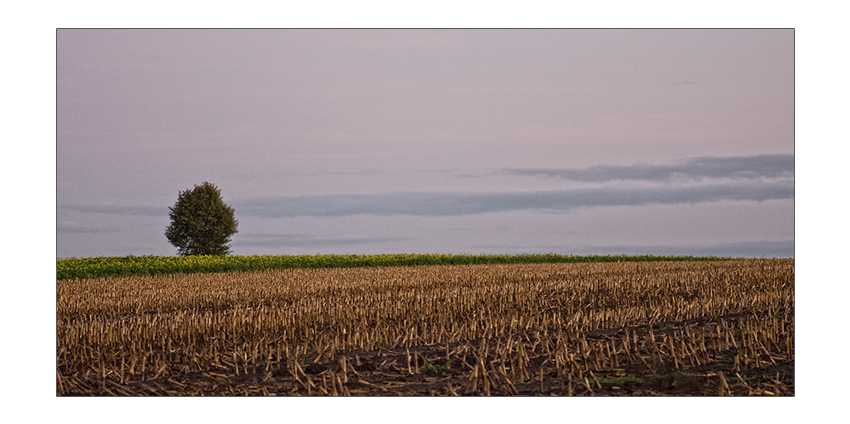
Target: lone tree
[{"x": 201, "y": 223}]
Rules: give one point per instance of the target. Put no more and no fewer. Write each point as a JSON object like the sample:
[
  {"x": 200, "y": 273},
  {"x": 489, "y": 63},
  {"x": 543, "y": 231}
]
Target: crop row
[
  {"x": 498, "y": 326},
  {"x": 76, "y": 268}
]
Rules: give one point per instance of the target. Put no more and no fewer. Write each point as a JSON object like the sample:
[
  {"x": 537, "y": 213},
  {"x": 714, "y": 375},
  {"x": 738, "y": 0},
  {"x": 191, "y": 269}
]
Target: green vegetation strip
[{"x": 76, "y": 268}]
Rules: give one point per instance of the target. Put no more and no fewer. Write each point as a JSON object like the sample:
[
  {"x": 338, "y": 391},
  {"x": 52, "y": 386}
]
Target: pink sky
[{"x": 276, "y": 115}]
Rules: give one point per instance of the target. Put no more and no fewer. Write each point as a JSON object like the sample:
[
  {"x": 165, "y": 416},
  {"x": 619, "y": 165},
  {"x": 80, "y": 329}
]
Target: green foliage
[
  {"x": 622, "y": 380},
  {"x": 158, "y": 265},
  {"x": 435, "y": 368},
  {"x": 201, "y": 223},
  {"x": 664, "y": 379}
]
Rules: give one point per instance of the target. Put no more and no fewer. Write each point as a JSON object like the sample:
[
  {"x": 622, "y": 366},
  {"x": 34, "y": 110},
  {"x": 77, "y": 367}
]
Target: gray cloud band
[
  {"x": 739, "y": 167},
  {"x": 749, "y": 249},
  {"x": 454, "y": 204},
  {"x": 302, "y": 240},
  {"x": 72, "y": 227},
  {"x": 755, "y": 178},
  {"x": 118, "y": 209}
]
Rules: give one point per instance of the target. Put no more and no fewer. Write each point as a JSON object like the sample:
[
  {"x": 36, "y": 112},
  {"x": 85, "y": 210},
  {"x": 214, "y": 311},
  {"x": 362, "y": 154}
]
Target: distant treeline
[{"x": 71, "y": 268}]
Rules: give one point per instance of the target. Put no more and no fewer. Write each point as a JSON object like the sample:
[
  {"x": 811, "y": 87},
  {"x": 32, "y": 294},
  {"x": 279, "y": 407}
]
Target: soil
[{"x": 394, "y": 372}]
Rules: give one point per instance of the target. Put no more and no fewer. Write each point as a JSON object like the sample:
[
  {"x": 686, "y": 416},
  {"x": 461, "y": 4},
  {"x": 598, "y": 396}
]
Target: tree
[{"x": 201, "y": 223}]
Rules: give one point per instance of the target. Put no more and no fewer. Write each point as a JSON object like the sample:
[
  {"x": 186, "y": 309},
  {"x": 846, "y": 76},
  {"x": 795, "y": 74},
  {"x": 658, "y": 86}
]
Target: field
[
  {"x": 703, "y": 328},
  {"x": 160, "y": 265}
]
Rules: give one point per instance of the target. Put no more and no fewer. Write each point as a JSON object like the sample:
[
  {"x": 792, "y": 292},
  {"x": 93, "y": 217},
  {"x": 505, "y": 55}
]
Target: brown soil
[{"x": 387, "y": 373}]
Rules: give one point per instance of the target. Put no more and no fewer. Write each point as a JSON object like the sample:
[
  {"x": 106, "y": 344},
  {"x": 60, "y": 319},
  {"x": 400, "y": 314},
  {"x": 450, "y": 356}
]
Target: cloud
[
  {"x": 697, "y": 180},
  {"x": 117, "y": 209},
  {"x": 304, "y": 240},
  {"x": 746, "y": 249},
  {"x": 73, "y": 227},
  {"x": 456, "y": 204},
  {"x": 700, "y": 168}
]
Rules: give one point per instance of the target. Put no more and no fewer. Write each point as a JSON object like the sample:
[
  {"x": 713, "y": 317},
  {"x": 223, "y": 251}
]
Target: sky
[{"x": 657, "y": 141}]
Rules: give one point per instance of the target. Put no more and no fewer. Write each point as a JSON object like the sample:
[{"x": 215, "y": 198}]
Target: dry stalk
[{"x": 724, "y": 387}]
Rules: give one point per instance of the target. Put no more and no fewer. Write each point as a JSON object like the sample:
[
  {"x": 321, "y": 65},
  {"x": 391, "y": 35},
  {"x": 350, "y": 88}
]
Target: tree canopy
[{"x": 201, "y": 223}]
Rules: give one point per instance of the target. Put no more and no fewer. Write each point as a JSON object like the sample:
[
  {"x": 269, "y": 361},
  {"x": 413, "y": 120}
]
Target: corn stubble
[{"x": 659, "y": 328}]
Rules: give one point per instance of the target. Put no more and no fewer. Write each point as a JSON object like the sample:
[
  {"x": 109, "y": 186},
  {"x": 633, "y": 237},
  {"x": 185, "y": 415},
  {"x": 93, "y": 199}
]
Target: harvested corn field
[{"x": 584, "y": 329}]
